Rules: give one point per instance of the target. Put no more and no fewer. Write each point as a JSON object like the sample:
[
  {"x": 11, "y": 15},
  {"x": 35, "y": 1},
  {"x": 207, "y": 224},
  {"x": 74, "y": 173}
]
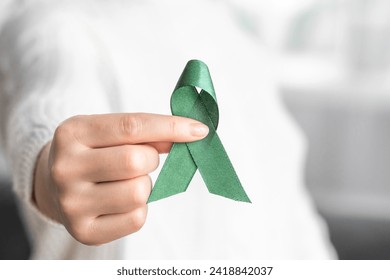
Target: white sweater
[{"x": 83, "y": 57}]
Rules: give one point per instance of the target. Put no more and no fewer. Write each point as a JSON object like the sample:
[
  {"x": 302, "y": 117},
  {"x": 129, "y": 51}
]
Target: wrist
[{"x": 41, "y": 194}]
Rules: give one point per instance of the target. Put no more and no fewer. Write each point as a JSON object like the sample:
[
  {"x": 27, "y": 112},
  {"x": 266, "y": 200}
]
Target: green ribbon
[{"x": 208, "y": 155}]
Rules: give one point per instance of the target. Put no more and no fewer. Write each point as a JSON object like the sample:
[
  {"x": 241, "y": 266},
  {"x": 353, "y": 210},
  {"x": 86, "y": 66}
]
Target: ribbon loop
[{"x": 208, "y": 155}]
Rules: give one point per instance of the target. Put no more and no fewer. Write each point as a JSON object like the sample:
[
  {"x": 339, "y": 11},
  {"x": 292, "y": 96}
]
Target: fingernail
[{"x": 199, "y": 129}]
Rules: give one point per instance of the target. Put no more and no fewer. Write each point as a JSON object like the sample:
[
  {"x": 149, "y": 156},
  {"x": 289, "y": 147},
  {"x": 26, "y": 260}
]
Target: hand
[{"x": 93, "y": 176}]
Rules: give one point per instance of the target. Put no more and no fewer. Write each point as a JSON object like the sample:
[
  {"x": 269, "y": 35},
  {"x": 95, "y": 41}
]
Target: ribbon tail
[
  {"x": 175, "y": 175},
  {"x": 212, "y": 160},
  {"x": 216, "y": 168}
]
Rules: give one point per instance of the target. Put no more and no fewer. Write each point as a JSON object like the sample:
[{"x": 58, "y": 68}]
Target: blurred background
[
  {"x": 333, "y": 61},
  {"x": 334, "y": 78}
]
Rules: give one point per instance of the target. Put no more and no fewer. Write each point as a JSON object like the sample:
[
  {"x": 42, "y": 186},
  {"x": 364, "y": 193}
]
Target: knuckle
[
  {"x": 69, "y": 206},
  {"x": 84, "y": 239},
  {"x": 83, "y": 232},
  {"x": 141, "y": 190},
  {"x": 156, "y": 160},
  {"x": 173, "y": 127},
  {"x": 138, "y": 218},
  {"x": 59, "y": 171},
  {"x": 131, "y": 125},
  {"x": 134, "y": 160},
  {"x": 76, "y": 118},
  {"x": 63, "y": 131}
]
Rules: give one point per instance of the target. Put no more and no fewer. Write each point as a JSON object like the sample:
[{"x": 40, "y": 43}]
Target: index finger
[{"x": 132, "y": 128}]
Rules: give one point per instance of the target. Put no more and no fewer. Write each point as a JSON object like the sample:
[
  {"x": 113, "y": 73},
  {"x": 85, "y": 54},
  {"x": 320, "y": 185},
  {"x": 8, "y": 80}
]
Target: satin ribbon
[{"x": 208, "y": 155}]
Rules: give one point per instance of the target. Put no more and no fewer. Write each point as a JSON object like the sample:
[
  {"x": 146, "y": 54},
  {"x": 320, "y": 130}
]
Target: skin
[{"x": 93, "y": 177}]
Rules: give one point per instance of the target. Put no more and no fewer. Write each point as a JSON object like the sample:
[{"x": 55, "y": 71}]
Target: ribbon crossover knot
[{"x": 208, "y": 155}]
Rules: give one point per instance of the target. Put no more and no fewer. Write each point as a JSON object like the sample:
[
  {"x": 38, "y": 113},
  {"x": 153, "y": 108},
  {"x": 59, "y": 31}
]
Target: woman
[{"x": 85, "y": 180}]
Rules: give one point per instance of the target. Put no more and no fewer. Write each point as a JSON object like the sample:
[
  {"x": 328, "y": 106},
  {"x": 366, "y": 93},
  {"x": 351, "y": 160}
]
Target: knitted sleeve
[{"x": 51, "y": 67}]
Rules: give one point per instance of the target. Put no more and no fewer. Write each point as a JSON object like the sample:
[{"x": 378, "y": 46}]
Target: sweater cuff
[{"x": 24, "y": 161}]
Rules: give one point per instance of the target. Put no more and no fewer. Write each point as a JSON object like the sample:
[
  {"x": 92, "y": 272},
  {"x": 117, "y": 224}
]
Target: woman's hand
[{"x": 93, "y": 177}]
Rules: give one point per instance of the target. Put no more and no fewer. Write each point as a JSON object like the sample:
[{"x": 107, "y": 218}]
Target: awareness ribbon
[{"x": 208, "y": 155}]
